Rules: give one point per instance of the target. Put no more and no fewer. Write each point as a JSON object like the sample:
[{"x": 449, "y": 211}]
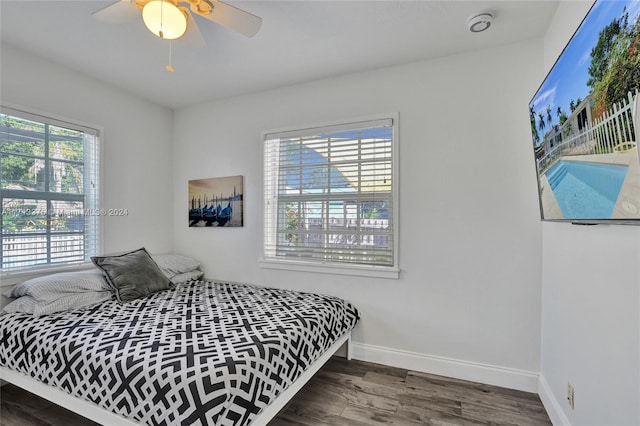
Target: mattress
[{"x": 203, "y": 353}]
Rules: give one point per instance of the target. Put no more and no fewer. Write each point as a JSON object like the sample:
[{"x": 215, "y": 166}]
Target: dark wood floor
[{"x": 348, "y": 393}]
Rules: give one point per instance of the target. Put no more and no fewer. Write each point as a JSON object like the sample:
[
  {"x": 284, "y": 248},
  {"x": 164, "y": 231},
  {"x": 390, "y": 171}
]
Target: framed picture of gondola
[{"x": 216, "y": 202}]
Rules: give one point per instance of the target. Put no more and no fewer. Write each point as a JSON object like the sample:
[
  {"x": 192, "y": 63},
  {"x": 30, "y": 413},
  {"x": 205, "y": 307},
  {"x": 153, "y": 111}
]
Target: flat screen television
[{"x": 585, "y": 120}]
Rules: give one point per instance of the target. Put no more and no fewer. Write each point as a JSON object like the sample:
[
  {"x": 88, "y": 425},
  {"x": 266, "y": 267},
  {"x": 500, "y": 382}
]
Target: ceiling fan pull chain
[
  {"x": 169, "y": 67},
  {"x": 161, "y": 33}
]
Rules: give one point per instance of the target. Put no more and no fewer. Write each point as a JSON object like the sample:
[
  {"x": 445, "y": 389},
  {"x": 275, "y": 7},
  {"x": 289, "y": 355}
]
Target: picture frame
[{"x": 216, "y": 202}]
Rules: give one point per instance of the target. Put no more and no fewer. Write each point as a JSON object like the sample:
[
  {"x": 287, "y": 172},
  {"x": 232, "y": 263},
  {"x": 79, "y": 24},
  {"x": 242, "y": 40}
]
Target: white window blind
[
  {"x": 49, "y": 191},
  {"x": 328, "y": 194}
]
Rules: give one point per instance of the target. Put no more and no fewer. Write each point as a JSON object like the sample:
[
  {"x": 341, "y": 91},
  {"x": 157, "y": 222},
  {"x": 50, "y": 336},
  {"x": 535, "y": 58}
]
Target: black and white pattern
[{"x": 203, "y": 353}]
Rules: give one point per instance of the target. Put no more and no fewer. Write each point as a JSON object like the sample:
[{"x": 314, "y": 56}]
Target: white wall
[
  {"x": 470, "y": 236},
  {"x": 590, "y": 302},
  {"x": 137, "y": 143}
]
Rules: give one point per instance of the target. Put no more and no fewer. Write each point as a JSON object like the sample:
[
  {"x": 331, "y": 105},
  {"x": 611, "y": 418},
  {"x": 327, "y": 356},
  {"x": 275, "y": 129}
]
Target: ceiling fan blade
[
  {"x": 193, "y": 37},
  {"x": 118, "y": 13},
  {"x": 233, "y": 18}
]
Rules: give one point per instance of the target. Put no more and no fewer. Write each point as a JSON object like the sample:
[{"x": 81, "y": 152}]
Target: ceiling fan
[{"x": 171, "y": 19}]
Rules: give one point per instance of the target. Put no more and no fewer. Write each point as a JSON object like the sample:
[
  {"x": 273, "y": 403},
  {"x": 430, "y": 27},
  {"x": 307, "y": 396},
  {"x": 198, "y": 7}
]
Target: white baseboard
[
  {"x": 466, "y": 370},
  {"x": 551, "y": 404}
]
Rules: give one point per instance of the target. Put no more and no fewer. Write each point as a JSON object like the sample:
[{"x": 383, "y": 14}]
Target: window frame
[
  {"x": 328, "y": 267},
  {"x": 12, "y": 275}
]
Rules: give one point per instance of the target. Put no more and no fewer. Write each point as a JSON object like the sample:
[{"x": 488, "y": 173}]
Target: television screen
[{"x": 584, "y": 120}]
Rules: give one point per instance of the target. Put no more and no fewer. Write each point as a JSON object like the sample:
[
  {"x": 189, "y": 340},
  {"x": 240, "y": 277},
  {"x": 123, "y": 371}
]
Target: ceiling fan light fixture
[{"x": 164, "y": 19}]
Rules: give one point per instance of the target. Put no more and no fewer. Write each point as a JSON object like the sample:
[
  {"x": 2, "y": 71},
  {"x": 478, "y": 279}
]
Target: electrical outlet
[{"x": 570, "y": 395}]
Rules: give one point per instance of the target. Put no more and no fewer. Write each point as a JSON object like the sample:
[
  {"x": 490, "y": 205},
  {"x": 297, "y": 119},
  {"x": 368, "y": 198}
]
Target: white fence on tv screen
[{"x": 614, "y": 127}]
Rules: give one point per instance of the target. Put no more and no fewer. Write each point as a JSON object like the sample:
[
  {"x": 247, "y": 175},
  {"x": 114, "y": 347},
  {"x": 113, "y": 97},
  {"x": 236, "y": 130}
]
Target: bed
[{"x": 201, "y": 353}]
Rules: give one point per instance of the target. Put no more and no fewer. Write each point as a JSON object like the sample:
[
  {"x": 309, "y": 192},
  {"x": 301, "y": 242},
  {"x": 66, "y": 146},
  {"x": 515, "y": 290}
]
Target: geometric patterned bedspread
[{"x": 203, "y": 353}]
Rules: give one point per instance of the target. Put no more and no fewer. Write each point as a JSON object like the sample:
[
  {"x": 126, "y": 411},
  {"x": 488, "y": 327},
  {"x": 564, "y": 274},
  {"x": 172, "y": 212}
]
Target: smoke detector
[{"x": 479, "y": 23}]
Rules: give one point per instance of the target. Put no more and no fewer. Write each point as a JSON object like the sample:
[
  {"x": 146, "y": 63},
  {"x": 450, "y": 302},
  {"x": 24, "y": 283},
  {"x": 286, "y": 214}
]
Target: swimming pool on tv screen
[{"x": 586, "y": 190}]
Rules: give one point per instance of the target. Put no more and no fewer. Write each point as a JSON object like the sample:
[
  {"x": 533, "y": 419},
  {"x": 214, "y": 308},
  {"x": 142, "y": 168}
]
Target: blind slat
[{"x": 314, "y": 132}]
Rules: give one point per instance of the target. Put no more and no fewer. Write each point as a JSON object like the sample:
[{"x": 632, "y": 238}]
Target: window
[
  {"x": 329, "y": 196},
  {"x": 49, "y": 191}
]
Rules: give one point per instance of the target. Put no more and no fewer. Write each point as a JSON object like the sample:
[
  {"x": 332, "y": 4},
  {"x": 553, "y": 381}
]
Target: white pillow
[
  {"x": 67, "y": 302},
  {"x": 174, "y": 264},
  {"x": 51, "y": 287},
  {"x": 24, "y": 304},
  {"x": 187, "y": 276}
]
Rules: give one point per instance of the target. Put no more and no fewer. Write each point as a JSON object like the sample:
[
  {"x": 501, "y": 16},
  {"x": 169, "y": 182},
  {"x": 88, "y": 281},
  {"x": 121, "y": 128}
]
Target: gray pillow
[{"x": 132, "y": 275}]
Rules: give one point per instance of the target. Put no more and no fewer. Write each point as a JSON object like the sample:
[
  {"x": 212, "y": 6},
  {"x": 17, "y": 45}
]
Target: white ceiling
[{"x": 299, "y": 41}]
